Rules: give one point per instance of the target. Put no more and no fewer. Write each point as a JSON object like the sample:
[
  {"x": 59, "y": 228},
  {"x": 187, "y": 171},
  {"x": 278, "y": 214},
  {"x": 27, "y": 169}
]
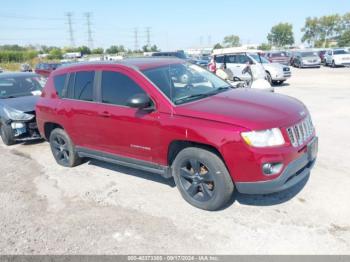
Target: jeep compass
[{"x": 176, "y": 119}]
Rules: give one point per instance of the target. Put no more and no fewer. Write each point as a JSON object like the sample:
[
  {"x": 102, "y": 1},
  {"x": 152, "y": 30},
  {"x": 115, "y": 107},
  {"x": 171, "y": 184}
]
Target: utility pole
[
  {"x": 136, "y": 39},
  {"x": 209, "y": 40},
  {"x": 89, "y": 32},
  {"x": 70, "y": 29},
  {"x": 148, "y": 36}
]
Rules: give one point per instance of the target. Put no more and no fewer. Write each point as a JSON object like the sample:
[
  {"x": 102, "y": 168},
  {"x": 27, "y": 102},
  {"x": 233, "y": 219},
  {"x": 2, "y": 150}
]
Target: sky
[{"x": 174, "y": 24}]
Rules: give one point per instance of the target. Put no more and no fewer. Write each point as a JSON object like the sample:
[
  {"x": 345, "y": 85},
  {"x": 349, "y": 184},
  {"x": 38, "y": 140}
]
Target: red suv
[{"x": 174, "y": 118}]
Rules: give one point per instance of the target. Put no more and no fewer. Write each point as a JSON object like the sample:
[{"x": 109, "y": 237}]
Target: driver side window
[{"x": 117, "y": 88}]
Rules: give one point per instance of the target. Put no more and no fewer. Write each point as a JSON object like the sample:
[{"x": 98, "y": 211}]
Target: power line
[
  {"x": 88, "y": 22},
  {"x": 136, "y": 39},
  {"x": 70, "y": 29},
  {"x": 148, "y": 36}
]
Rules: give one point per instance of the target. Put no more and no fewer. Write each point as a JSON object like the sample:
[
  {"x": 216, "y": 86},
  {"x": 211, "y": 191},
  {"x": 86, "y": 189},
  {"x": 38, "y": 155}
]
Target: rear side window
[
  {"x": 83, "y": 85},
  {"x": 230, "y": 59},
  {"x": 59, "y": 81},
  {"x": 219, "y": 59},
  {"x": 118, "y": 88}
]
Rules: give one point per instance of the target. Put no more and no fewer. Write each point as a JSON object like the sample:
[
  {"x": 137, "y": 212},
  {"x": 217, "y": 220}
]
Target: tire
[
  {"x": 269, "y": 78},
  {"x": 280, "y": 82},
  {"x": 6, "y": 135},
  {"x": 63, "y": 149},
  {"x": 333, "y": 64},
  {"x": 202, "y": 178}
]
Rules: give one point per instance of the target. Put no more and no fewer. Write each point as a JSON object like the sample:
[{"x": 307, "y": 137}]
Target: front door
[{"x": 125, "y": 131}]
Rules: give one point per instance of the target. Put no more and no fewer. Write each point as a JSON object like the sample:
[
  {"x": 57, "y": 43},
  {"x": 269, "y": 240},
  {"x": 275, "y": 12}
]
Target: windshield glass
[
  {"x": 11, "y": 87},
  {"x": 186, "y": 82},
  {"x": 279, "y": 54},
  {"x": 341, "y": 52},
  {"x": 305, "y": 54},
  {"x": 259, "y": 59}
]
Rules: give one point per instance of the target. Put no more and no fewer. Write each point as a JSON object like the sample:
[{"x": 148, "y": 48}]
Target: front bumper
[
  {"x": 310, "y": 64},
  {"x": 294, "y": 173},
  {"x": 25, "y": 130}
]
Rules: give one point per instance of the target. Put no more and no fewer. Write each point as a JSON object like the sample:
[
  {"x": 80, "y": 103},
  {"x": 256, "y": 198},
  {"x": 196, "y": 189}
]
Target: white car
[
  {"x": 276, "y": 72},
  {"x": 337, "y": 57}
]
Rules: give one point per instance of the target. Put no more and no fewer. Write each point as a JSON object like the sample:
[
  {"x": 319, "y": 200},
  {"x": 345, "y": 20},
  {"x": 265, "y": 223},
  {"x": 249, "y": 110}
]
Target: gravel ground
[{"x": 98, "y": 208}]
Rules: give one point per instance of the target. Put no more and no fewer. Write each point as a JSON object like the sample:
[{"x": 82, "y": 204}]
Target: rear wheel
[
  {"x": 6, "y": 135},
  {"x": 202, "y": 178},
  {"x": 63, "y": 149}
]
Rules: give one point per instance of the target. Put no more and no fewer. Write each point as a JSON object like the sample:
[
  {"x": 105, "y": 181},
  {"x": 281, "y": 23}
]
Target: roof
[
  {"x": 142, "y": 63},
  {"x": 235, "y": 50},
  {"x": 17, "y": 74}
]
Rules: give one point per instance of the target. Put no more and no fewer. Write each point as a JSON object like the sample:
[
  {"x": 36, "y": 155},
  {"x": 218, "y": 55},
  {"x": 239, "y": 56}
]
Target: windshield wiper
[
  {"x": 220, "y": 89},
  {"x": 6, "y": 97},
  {"x": 190, "y": 97}
]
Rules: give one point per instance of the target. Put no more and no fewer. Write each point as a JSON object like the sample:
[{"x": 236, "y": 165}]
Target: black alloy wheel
[{"x": 197, "y": 180}]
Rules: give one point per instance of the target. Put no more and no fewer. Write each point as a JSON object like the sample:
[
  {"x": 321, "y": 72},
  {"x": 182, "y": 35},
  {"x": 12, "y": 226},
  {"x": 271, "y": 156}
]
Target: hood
[
  {"x": 274, "y": 66},
  {"x": 342, "y": 56},
  {"x": 311, "y": 57},
  {"x": 24, "y": 103},
  {"x": 248, "y": 108}
]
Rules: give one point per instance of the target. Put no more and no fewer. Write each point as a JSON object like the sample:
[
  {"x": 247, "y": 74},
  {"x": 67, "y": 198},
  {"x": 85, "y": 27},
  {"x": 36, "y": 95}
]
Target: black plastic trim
[{"x": 164, "y": 171}]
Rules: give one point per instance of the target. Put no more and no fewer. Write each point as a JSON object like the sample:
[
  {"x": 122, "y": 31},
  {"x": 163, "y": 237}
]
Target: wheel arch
[
  {"x": 178, "y": 145},
  {"x": 48, "y": 127}
]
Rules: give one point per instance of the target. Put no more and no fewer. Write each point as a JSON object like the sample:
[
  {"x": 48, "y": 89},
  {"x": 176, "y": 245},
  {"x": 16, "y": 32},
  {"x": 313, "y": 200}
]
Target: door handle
[{"x": 105, "y": 114}]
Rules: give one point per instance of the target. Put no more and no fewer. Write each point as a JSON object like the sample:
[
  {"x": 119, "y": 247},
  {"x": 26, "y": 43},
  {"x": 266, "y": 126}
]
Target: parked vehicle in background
[
  {"x": 277, "y": 73},
  {"x": 307, "y": 59},
  {"x": 337, "y": 57},
  {"x": 25, "y": 68},
  {"x": 202, "y": 61},
  {"x": 281, "y": 57},
  {"x": 321, "y": 54},
  {"x": 1, "y": 70},
  {"x": 45, "y": 69},
  {"x": 232, "y": 67},
  {"x": 236, "y": 62},
  {"x": 177, "y": 119},
  {"x": 179, "y": 54},
  {"x": 19, "y": 93}
]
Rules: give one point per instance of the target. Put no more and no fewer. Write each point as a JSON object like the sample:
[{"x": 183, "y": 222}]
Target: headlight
[
  {"x": 17, "y": 115},
  {"x": 264, "y": 138}
]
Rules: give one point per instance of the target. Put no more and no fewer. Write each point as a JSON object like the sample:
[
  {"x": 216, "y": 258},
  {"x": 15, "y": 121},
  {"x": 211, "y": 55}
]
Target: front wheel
[
  {"x": 6, "y": 135},
  {"x": 63, "y": 149},
  {"x": 333, "y": 64},
  {"x": 202, "y": 178},
  {"x": 269, "y": 78}
]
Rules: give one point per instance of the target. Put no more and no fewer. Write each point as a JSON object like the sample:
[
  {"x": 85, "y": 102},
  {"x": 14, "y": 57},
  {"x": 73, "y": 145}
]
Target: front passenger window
[{"x": 118, "y": 88}]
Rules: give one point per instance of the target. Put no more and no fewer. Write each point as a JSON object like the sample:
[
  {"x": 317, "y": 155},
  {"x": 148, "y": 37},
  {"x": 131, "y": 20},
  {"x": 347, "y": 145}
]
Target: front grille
[{"x": 300, "y": 132}]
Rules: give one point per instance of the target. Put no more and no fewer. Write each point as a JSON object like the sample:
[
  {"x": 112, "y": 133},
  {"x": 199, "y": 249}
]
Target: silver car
[
  {"x": 276, "y": 73},
  {"x": 307, "y": 59}
]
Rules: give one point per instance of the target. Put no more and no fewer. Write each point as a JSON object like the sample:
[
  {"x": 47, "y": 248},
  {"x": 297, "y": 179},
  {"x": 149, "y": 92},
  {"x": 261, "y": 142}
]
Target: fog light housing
[{"x": 270, "y": 169}]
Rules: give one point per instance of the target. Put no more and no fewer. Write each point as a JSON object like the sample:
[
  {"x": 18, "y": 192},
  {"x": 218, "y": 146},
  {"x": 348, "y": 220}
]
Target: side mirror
[{"x": 140, "y": 101}]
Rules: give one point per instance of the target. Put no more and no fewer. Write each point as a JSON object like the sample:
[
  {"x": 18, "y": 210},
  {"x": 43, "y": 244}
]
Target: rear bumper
[
  {"x": 294, "y": 173},
  {"x": 311, "y": 65}
]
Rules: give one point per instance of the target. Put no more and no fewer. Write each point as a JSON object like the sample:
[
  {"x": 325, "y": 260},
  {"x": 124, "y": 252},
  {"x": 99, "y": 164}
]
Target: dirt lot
[{"x": 99, "y": 208}]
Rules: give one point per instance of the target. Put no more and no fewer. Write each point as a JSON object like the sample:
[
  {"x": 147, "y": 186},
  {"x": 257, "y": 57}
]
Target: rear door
[
  {"x": 123, "y": 130},
  {"x": 78, "y": 109}
]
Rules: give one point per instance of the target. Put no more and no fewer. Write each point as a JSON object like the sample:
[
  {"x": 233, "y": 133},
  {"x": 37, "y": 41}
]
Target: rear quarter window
[{"x": 59, "y": 82}]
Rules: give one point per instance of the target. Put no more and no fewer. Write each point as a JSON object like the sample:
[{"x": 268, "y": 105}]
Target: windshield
[
  {"x": 279, "y": 54},
  {"x": 186, "y": 82},
  {"x": 341, "y": 52},
  {"x": 305, "y": 54},
  {"x": 259, "y": 59},
  {"x": 11, "y": 87}
]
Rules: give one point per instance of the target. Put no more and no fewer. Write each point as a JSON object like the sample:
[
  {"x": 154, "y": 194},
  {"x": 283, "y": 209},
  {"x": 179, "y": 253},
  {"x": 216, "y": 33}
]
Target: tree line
[
  {"x": 317, "y": 32},
  {"x": 18, "y": 54}
]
